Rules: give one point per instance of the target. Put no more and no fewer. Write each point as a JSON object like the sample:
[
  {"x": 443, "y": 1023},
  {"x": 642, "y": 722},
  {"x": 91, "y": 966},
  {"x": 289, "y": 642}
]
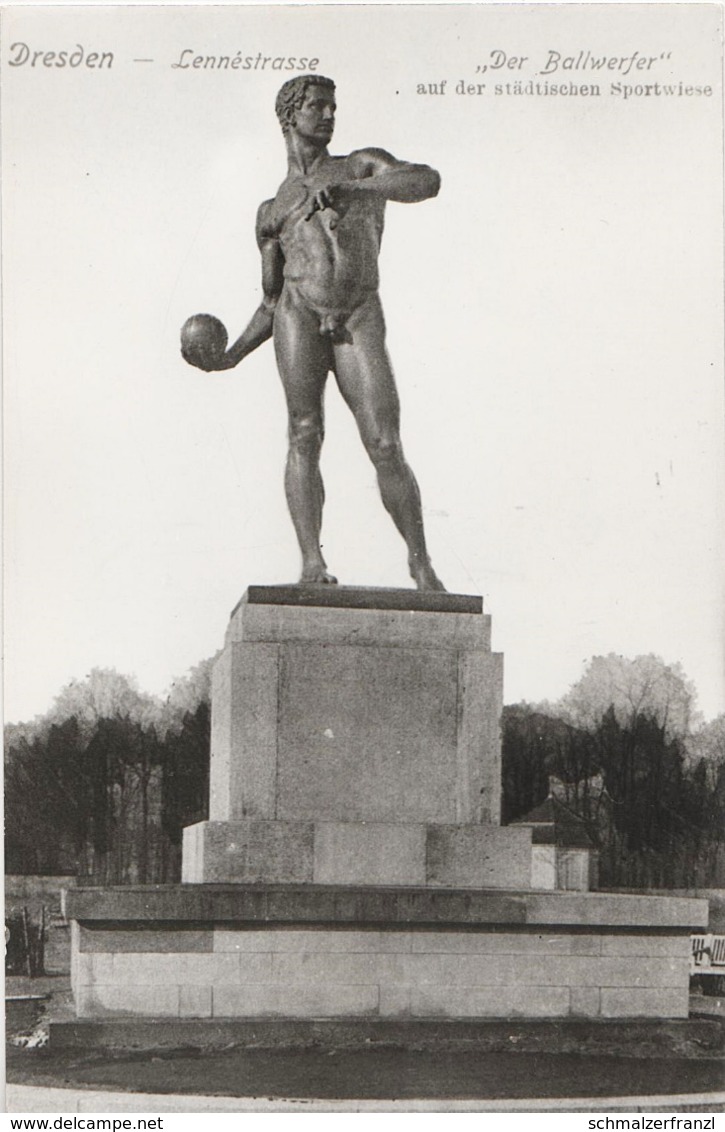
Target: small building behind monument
[{"x": 563, "y": 852}]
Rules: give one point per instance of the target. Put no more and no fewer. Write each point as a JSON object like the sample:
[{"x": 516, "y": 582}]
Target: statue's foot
[
  {"x": 317, "y": 575},
  {"x": 425, "y": 577}
]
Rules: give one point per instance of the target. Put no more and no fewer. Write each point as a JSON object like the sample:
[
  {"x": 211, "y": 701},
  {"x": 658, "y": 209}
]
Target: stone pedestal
[
  {"x": 356, "y": 738},
  {"x": 353, "y": 865}
]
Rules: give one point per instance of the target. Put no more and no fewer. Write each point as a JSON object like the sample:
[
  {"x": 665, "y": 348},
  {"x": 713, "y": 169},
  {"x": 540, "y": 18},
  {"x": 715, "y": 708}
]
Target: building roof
[{"x": 553, "y": 823}]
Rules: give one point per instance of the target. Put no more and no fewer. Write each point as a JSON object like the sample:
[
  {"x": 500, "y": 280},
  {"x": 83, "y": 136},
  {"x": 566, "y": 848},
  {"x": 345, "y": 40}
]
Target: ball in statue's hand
[{"x": 203, "y": 341}]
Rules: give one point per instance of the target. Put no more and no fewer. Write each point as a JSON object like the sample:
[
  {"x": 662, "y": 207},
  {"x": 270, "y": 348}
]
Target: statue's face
[{"x": 315, "y": 119}]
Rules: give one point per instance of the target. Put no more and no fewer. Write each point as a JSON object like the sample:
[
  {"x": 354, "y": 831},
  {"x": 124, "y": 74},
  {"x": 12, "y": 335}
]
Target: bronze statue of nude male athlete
[{"x": 319, "y": 239}]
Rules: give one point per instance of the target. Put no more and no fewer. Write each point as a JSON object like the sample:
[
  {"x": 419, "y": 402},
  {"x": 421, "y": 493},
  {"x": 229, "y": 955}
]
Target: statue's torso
[{"x": 332, "y": 257}]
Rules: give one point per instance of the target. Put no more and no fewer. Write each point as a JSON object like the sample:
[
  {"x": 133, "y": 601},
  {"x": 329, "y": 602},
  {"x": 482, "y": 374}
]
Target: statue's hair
[{"x": 292, "y": 95}]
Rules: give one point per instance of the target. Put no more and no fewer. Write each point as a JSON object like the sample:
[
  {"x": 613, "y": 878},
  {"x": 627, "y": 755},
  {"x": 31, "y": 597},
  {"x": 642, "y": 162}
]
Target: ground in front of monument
[{"x": 505, "y": 1062}]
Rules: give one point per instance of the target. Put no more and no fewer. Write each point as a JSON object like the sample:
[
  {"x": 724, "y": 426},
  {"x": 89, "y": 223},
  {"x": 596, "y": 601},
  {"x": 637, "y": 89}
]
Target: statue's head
[{"x": 293, "y": 96}]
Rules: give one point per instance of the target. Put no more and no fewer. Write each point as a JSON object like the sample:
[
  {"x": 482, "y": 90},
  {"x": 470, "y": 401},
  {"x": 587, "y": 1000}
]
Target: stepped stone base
[
  {"x": 354, "y": 866},
  {"x": 356, "y": 738},
  {"x": 243, "y": 951},
  {"x": 472, "y": 856}
]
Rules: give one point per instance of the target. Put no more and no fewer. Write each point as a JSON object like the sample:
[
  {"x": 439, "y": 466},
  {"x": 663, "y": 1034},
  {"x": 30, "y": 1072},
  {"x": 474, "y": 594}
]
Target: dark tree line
[
  {"x": 107, "y": 796},
  {"x": 622, "y": 752}
]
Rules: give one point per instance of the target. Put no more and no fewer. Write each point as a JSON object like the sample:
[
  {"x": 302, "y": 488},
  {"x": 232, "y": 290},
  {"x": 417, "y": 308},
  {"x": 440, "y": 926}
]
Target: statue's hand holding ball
[{"x": 204, "y": 342}]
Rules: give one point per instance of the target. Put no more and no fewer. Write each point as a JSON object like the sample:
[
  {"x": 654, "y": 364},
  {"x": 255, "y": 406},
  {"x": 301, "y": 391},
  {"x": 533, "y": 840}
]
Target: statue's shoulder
[{"x": 267, "y": 225}]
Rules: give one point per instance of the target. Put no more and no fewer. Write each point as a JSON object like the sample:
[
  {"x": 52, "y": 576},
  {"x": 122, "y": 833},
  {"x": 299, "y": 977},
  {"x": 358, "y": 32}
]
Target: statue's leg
[
  {"x": 304, "y": 360},
  {"x": 365, "y": 377}
]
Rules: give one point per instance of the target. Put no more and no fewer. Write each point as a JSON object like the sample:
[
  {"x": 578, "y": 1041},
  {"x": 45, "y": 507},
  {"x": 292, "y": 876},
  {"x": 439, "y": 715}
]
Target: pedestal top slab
[
  {"x": 355, "y": 904},
  {"x": 349, "y": 616},
  {"x": 361, "y": 597}
]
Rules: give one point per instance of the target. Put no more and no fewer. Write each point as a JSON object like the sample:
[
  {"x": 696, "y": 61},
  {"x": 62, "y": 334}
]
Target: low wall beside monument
[{"x": 353, "y": 864}]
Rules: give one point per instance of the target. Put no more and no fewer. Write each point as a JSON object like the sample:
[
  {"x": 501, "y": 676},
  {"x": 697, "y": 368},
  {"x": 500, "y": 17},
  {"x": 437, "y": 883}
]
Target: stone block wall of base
[
  {"x": 538, "y": 956},
  {"x": 318, "y": 973}
]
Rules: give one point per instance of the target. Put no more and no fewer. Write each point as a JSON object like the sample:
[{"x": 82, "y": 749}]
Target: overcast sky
[{"x": 554, "y": 319}]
